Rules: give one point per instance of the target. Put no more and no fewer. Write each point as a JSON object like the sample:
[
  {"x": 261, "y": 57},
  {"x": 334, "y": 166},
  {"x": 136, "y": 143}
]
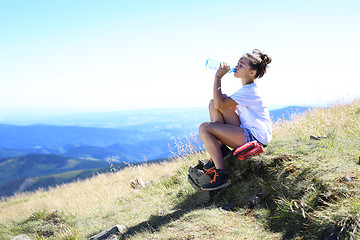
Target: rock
[
  {"x": 316, "y": 137},
  {"x": 228, "y": 207},
  {"x": 113, "y": 237},
  {"x": 110, "y": 234},
  {"x": 255, "y": 200},
  {"x": 333, "y": 233},
  {"x": 164, "y": 176},
  {"x": 137, "y": 183},
  {"x": 348, "y": 179},
  {"x": 197, "y": 177},
  {"x": 21, "y": 237}
]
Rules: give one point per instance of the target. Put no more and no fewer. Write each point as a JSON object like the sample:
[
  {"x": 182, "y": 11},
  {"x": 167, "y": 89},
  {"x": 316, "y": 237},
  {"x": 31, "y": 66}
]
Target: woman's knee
[{"x": 203, "y": 128}]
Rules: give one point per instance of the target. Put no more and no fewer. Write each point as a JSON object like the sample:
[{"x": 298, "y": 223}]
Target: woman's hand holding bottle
[{"x": 222, "y": 70}]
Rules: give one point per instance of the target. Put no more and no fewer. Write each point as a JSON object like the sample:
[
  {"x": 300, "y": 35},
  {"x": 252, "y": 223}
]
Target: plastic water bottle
[{"x": 213, "y": 64}]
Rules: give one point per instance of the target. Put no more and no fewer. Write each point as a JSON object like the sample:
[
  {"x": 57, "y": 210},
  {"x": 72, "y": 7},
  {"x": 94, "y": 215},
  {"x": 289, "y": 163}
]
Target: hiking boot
[
  {"x": 209, "y": 165},
  {"x": 224, "y": 150},
  {"x": 221, "y": 180}
]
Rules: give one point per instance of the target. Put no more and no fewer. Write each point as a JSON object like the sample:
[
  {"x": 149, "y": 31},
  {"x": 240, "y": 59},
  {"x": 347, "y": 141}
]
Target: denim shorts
[{"x": 250, "y": 137}]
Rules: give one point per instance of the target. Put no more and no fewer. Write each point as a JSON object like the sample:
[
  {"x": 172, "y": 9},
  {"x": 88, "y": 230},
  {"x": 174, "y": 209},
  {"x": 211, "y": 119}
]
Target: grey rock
[
  {"x": 228, "y": 207},
  {"x": 255, "y": 200},
  {"x": 21, "y": 237},
  {"x": 316, "y": 137},
  {"x": 197, "y": 177},
  {"x": 110, "y": 234}
]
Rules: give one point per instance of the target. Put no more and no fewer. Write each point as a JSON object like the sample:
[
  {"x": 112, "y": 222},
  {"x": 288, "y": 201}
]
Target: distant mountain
[
  {"x": 103, "y": 153},
  {"x": 33, "y": 183},
  {"x": 187, "y": 119},
  {"x": 138, "y": 135},
  {"x": 36, "y": 165},
  {"x": 122, "y": 145},
  {"x": 287, "y": 112},
  {"x": 17, "y": 173},
  {"x": 46, "y": 136},
  {"x": 25, "y": 184},
  {"x": 140, "y": 120}
]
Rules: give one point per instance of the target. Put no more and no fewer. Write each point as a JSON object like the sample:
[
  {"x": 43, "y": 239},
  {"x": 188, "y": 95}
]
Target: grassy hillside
[
  {"x": 44, "y": 182},
  {"x": 34, "y": 165},
  {"x": 307, "y": 181},
  {"x": 27, "y": 172}
]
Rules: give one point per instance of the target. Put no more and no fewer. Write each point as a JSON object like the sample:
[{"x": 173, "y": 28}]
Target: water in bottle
[{"x": 213, "y": 64}]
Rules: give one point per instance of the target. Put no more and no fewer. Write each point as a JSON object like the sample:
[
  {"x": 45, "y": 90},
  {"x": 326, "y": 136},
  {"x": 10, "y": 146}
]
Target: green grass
[{"x": 308, "y": 189}]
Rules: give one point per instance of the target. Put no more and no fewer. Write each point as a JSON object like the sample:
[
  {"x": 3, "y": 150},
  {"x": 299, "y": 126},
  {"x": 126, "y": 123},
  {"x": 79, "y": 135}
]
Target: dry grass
[
  {"x": 98, "y": 194},
  {"x": 212, "y": 223},
  {"x": 341, "y": 121},
  {"x": 86, "y": 197}
]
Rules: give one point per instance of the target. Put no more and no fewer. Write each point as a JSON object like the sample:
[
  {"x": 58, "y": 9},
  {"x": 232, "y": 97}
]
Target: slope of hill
[
  {"x": 38, "y": 165},
  {"x": 306, "y": 186},
  {"x": 20, "y": 173}
]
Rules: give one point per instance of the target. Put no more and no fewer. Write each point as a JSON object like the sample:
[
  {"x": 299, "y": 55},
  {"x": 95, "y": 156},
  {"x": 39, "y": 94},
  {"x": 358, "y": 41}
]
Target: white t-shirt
[{"x": 253, "y": 113}]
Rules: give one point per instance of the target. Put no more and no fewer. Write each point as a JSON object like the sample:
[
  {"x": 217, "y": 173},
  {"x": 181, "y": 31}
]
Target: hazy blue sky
[{"x": 87, "y": 55}]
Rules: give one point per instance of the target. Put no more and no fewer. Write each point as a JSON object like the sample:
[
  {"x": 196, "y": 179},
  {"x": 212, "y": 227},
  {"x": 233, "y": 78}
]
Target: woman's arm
[{"x": 221, "y": 101}]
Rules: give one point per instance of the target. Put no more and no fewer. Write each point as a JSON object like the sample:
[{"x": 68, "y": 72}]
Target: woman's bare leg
[
  {"x": 227, "y": 116},
  {"x": 224, "y": 128},
  {"x": 211, "y": 133}
]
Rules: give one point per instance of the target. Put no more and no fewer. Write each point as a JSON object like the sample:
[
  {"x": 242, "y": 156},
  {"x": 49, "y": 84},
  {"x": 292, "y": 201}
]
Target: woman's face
[{"x": 243, "y": 69}]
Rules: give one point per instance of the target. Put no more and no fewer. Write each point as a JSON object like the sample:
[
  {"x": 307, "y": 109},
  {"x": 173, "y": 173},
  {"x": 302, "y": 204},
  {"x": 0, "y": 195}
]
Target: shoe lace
[{"x": 212, "y": 171}]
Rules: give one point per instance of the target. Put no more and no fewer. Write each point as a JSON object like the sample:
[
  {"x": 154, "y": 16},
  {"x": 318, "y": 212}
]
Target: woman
[{"x": 228, "y": 128}]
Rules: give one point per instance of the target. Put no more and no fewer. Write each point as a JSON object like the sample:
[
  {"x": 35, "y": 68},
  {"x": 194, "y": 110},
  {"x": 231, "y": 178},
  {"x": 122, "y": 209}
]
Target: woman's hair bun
[
  {"x": 258, "y": 61},
  {"x": 265, "y": 59}
]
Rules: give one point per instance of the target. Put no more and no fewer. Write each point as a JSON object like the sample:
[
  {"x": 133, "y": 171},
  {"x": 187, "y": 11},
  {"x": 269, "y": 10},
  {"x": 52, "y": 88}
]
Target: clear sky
[{"x": 92, "y": 55}]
